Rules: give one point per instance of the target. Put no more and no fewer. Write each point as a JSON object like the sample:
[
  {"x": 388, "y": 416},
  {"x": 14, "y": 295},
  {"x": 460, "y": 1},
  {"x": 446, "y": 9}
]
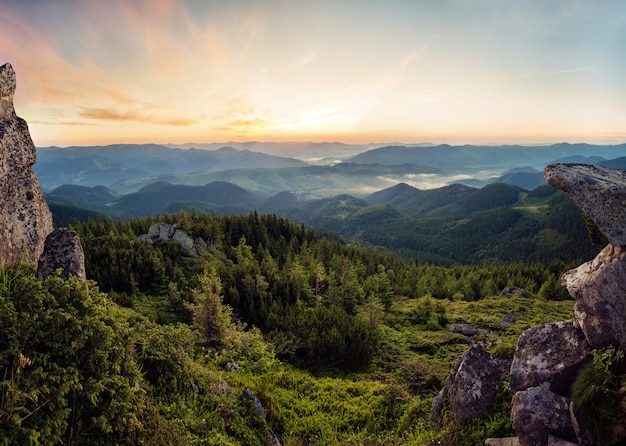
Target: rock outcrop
[
  {"x": 600, "y": 192},
  {"x": 548, "y": 357},
  {"x": 63, "y": 251},
  {"x": 166, "y": 231},
  {"x": 472, "y": 385},
  {"x": 599, "y": 287},
  {"x": 25, "y": 219}
]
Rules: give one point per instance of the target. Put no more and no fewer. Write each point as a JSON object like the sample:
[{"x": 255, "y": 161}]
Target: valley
[{"x": 476, "y": 204}]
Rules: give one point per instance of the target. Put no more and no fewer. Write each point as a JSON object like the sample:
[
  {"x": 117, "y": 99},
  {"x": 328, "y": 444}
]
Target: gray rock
[
  {"x": 185, "y": 241},
  {"x": 582, "y": 426},
  {"x": 201, "y": 243},
  {"x": 556, "y": 441},
  {"x": 231, "y": 367},
  {"x": 551, "y": 353},
  {"x": 251, "y": 396},
  {"x": 161, "y": 231},
  {"x": 506, "y": 441},
  {"x": 166, "y": 231},
  {"x": 599, "y": 287},
  {"x": 8, "y": 83},
  {"x": 599, "y": 191},
  {"x": 463, "y": 329},
  {"x": 25, "y": 219},
  {"x": 515, "y": 290},
  {"x": 62, "y": 250},
  {"x": 255, "y": 401},
  {"x": 507, "y": 322},
  {"x": 472, "y": 385},
  {"x": 537, "y": 413}
]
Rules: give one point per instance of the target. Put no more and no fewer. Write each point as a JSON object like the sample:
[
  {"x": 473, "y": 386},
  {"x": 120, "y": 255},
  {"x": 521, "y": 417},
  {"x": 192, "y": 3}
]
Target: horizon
[
  {"x": 362, "y": 73},
  {"x": 365, "y": 145}
]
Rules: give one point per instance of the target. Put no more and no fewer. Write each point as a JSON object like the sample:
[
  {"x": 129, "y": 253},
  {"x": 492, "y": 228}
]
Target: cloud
[
  {"x": 246, "y": 126},
  {"x": 63, "y": 123},
  {"x": 134, "y": 115},
  {"x": 566, "y": 71}
]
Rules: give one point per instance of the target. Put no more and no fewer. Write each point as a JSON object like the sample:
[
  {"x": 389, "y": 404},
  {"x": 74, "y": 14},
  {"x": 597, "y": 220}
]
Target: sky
[{"x": 92, "y": 72}]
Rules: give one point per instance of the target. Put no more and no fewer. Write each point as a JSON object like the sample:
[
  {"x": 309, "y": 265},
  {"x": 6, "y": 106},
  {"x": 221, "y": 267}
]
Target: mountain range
[
  {"x": 442, "y": 204},
  {"x": 353, "y": 169}
]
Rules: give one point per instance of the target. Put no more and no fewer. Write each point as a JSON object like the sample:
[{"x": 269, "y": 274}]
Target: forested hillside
[
  {"x": 339, "y": 344},
  {"x": 452, "y": 224}
]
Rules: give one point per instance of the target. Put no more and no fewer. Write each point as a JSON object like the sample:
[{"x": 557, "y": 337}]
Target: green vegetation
[
  {"x": 598, "y": 390},
  {"x": 444, "y": 226},
  {"x": 341, "y": 344}
]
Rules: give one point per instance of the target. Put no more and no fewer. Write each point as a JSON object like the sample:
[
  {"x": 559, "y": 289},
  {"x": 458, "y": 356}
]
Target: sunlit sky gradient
[{"x": 454, "y": 71}]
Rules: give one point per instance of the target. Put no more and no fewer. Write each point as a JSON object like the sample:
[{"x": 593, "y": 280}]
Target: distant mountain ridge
[
  {"x": 469, "y": 157},
  {"x": 128, "y": 167},
  {"x": 108, "y": 165}
]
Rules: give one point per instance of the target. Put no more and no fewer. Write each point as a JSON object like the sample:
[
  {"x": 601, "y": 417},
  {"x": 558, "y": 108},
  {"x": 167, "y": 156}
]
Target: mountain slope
[{"x": 157, "y": 197}]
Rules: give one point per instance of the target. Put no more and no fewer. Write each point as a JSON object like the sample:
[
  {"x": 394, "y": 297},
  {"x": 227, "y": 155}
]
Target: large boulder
[
  {"x": 598, "y": 287},
  {"x": 25, "y": 219},
  {"x": 551, "y": 353},
  {"x": 599, "y": 191},
  {"x": 537, "y": 413},
  {"x": 472, "y": 385},
  {"x": 63, "y": 251}
]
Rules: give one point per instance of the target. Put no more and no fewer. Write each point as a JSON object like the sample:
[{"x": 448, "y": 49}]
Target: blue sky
[{"x": 447, "y": 71}]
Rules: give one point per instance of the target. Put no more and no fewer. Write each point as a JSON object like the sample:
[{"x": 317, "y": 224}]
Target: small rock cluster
[{"x": 166, "y": 231}]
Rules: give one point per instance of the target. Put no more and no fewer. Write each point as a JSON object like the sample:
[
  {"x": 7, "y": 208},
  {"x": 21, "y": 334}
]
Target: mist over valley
[{"x": 425, "y": 202}]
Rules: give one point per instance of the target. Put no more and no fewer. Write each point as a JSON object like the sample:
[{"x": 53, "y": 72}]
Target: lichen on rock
[{"x": 25, "y": 219}]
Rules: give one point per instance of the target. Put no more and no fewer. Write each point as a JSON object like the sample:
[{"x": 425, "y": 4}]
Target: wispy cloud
[
  {"x": 565, "y": 71},
  {"x": 134, "y": 115},
  {"x": 63, "y": 123},
  {"x": 426, "y": 96},
  {"x": 245, "y": 127},
  {"x": 307, "y": 59}
]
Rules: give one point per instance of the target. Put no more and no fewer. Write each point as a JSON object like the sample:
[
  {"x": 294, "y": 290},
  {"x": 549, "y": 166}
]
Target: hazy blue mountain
[
  {"x": 86, "y": 197},
  {"x": 579, "y": 159},
  {"x": 128, "y": 167},
  {"x": 317, "y": 181},
  {"x": 619, "y": 163},
  {"x": 301, "y": 150},
  {"x": 56, "y": 167},
  {"x": 469, "y": 158},
  {"x": 108, "y": 165}
]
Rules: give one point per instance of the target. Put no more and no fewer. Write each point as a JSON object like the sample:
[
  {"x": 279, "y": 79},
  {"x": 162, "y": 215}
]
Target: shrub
[{"x": 596, "y": 388}]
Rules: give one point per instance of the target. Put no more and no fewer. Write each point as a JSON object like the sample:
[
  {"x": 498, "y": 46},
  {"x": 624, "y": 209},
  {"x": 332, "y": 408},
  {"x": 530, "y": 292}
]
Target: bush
[
  {"x": 596, "y": 389},
  {"x": 69, "y": 373}
]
